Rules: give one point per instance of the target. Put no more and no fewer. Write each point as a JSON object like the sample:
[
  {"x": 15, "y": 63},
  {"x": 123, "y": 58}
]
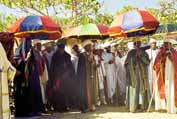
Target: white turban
[
  {"x": 152, "y": 40},
  {"x": 87, "y": 42}
]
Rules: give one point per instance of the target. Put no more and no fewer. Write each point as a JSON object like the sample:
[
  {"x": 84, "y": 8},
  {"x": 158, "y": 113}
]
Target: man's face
[
  {"x": 137, "y": 44},
  {"x": 108, "y": 49},
  {"x": 167, "y": 45},
  {"x": 76, "y": 48},
  {"x": 39, "y": 46},
  {"x": 88, "y": 48},
  {"x": 153, "y": 45},
  {"x": 61, "y": 50}
]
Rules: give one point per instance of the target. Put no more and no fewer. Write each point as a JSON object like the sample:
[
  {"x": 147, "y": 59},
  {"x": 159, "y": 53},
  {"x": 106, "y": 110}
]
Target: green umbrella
[
  {"x": 166, "y": 29},
  {"x": 87, "y": 31}
]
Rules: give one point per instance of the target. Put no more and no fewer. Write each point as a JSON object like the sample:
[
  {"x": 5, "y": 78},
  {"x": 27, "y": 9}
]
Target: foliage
[
  {"x": 166, "y": 14},
  {"x": 126, "y": 9},
  {"x": 81, "y": 11},
  {"x": 6, "y": 21},
  {"x": 77, "y": 12}
]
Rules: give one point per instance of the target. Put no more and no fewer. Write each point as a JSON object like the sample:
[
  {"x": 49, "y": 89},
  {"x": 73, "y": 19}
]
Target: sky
[{"x": 110, "y": 6}]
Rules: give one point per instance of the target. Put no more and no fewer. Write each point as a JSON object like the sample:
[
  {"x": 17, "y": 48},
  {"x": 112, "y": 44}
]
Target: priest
[{"x": 166, "y": 83}]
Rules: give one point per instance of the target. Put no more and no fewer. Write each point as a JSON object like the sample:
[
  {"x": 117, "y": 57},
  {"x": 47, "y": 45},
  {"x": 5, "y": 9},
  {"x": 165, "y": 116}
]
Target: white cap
[
  {"x": 172, "y": 41},
  {"x": 152, "y": 40},
  {"x": 105, "y": 45},
  {"x": 113, "y": 44},
  {"x": 87, "y": 42},
  {"x": 97, "y": 47}
]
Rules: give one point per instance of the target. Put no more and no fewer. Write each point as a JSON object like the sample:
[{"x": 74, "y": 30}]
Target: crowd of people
[{"x": 58, "y": 77}]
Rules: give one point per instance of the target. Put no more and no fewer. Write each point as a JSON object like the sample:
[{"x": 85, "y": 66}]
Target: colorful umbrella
[
  {"x": 87, "y": 31},
  {"x": 166, "y": 29},
  {"x": 133, "y": 23},
  {"x": 36, "y": 27}
]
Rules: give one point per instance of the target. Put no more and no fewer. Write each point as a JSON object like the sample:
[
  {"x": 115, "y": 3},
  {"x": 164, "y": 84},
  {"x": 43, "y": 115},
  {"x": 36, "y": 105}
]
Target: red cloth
[
  {"x": 159, "y": 67},
  {"x": 7, "y": 40}
]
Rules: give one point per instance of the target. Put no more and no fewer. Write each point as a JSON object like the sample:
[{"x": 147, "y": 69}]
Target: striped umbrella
[
  {"x": 95, "y": 31},
  {"x": 166, "y": 29},
  {"x": 133, "y": 23},
  {"x": 36, "y": 27}
]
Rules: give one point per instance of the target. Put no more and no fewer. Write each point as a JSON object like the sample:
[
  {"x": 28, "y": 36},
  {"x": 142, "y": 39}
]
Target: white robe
[
  {"x": 120, "y": 75},
  {"x": 74, "y": 60},
  {"x": 151, "y": 73},
  {"x": 7, "y": 72},
  {"x": 110, "y": 74},
  {"x": 100, "y": 72},
  {"x": 169, "y": 87},
  {"x": 43, "y": 82}
]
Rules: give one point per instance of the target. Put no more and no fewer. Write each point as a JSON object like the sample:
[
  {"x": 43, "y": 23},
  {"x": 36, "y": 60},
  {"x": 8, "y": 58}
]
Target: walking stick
[{"x": 153, "y": 93}]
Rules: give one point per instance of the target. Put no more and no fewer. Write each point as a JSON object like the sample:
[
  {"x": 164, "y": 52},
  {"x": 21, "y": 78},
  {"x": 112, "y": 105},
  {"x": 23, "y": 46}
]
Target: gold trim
[
  {"x": 38, "y": 31},
  {"x": 5, "y": 94}
]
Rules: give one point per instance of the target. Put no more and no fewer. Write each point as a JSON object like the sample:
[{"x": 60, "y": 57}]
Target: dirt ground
[{"x": 107, "y": 112}]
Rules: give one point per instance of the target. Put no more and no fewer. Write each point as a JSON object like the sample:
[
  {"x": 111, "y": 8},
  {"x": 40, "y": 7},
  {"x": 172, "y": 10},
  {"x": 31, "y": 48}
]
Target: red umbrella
[
  {"x": 133, "y": 23},
  {"x": 36, "y": 27}
]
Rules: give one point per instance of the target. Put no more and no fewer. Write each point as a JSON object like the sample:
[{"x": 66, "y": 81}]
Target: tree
[
  {"x": 6, "y": 21},
  {"x": 126, "y": 9},
  {"x": 80, "y": 11}
]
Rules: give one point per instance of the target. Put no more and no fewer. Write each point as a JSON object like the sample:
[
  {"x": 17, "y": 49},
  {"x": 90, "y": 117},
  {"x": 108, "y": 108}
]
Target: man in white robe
[
  {"x": 75, "y": 56},
  {"x": 101, "y": 74},
  {"x": 152, "y": 52},
  {"x": 109, "y": 61},
  {"x": 7, "y": 72}
]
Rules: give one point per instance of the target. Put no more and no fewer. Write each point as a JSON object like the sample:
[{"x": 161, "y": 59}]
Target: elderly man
[
  {"x": 101, "y": 74},
  {"x": 110, "y": 68},
  {"x": 86, "y": 75},
  {"x": 152, "y": 52},
  {"x": 136, "y": 64},
  {"x": 166, "y": 83}
]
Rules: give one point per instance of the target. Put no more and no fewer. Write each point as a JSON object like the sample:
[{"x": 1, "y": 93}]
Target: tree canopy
[{"x": 70, "y": 13}]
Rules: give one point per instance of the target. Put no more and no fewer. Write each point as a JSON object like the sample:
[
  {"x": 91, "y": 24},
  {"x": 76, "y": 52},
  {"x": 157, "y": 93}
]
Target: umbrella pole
[
  {"x": 16, "y": 42},
  {"x": 150, "y": 102}
]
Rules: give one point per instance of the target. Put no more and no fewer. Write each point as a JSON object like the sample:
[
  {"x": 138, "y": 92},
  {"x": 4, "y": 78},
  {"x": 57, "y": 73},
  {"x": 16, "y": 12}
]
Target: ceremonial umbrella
[
  {"x": 133, "y": 23},
  {"x": 166, "y": 29},
  {"x": 36, "y": 27},
  {"x": 87, "y": 31}
]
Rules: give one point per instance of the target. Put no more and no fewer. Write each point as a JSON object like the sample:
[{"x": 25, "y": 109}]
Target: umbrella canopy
[
  {"x": 166, "y": 29},
  {"x": 133, "y": 23},
  {"x": 37, "y": 27},
  {"x": 87, "y": 31}
]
